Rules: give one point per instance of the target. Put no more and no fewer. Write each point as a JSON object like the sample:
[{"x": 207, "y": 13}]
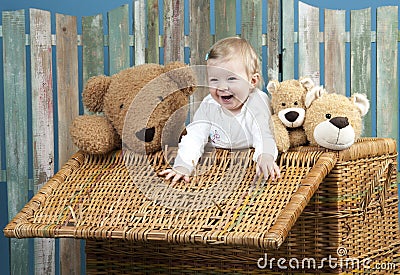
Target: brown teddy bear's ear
[
  {"x": 273, "y": 86},
  {"x": 95, "y": 89},
  {"x": 314, "y": 94},
  {"x": 307, "y": 83},
  {"x": 362, "y": 103}
]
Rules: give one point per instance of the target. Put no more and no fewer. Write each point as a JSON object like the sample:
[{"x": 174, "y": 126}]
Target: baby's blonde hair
[{"x": 227, "y": 48}]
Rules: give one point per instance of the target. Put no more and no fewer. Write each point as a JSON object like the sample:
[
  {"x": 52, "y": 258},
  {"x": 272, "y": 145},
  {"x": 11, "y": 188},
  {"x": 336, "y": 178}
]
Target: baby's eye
[
  {"x": 283, "y": 104},
  {"x": 328, "y": 116},
  {"x": 213, "y": 80},
  {"x": 232, "y": 78}
]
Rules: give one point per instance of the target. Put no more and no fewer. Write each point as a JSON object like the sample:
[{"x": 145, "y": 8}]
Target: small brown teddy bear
[
  {"x": 287, "y": 101},
  {"x": 113, "y": 95},
  {"x": 334, "y": 121}
]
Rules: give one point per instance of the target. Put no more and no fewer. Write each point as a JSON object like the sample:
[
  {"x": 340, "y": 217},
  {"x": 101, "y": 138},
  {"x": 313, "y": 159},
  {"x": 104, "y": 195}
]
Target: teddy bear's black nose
[
  {"x": 146, "y": 134},
  {"x": 291, "y": 116},
  {"x": 339, "y": 122}
]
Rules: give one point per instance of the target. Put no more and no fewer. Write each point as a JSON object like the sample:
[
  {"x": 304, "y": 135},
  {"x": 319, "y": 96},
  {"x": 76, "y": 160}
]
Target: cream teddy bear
[
  {"x": 287, "y": 101},
  {"x": 334, "y": 121}
]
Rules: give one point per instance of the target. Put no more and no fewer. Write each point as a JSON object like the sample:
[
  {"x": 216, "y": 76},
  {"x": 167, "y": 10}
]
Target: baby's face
[{"x": 229, "y": 83}]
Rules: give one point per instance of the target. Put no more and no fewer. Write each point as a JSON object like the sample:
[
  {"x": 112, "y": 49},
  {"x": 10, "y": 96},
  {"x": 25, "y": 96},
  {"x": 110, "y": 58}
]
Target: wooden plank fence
[{"x": 56, "y": 76}]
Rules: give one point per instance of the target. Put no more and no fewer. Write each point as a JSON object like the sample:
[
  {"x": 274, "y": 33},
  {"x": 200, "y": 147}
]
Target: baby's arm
[
  {"x": 191, "y": 147},
  {"x": 266, "y": 151}
]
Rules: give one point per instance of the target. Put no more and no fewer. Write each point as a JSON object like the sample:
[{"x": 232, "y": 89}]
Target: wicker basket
[{"x": 331, "y": 212}]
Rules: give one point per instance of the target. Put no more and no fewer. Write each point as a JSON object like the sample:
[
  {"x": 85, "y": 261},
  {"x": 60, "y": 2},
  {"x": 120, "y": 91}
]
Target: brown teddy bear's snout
[{"x": 146, "y": 134}]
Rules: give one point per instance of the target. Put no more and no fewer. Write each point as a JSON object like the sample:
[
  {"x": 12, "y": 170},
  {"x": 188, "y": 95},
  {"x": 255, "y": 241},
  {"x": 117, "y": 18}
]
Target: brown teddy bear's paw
[{"x": 94, "y": 134}]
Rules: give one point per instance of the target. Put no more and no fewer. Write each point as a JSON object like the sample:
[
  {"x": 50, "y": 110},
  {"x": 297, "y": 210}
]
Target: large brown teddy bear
[
  {"x": 169, "y": 88},
  {"x": 287, "y": 101},
  {"x": 334, "y": 121}
]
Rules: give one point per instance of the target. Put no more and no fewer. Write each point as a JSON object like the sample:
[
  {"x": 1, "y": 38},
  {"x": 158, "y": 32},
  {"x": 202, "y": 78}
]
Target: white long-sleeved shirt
[{"x": 214, "y": 124}]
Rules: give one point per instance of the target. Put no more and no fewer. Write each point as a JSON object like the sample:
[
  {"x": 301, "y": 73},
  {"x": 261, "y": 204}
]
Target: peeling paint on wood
[
  {"x": 387, "y": 72},
  {"x": 68, "y": 102},
  {"x": 360, "y": 59},
  {"x": 309, "y": 64},
  {"x": 139, "y": 17},
  {"x": 335, "y": 61},
  {"x": 174, "y": 41},
  {"x": 42, "y": 123},
  {"x": 118, "y": 32},
  {"x": 153, "y": 40}
]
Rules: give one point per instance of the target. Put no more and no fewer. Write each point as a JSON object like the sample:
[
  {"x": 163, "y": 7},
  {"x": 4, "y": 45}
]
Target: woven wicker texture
[
  {"x": 324, "y": 201},
  {"x": 96, "y": 197},
  {"x": 116, "y": 257}
]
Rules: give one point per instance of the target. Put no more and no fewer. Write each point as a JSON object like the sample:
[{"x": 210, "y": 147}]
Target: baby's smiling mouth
[{"x": 226, "y": 97}]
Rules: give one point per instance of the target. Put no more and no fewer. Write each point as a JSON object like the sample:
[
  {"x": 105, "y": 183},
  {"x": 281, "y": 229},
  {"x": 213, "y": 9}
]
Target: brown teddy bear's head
[
  {"x": 287, "y": 100},
  {"x": 114, "y": 96},
  {"x": 334, "y": 121}
]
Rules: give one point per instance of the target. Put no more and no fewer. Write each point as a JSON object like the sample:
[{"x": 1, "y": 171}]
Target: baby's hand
[
  {"x": 267, "y": 166},
  {"x": 177, "y": 173}
]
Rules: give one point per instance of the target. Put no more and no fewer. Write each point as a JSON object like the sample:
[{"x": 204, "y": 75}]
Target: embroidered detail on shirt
[{"x": 215, "y": 137}]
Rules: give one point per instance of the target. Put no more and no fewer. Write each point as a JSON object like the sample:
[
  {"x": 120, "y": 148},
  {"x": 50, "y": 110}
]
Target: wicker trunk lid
[{"x": 105, "y": 197}]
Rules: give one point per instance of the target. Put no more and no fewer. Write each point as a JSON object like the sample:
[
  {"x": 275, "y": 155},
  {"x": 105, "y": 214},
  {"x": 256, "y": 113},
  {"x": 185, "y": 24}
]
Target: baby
[{"x": 235, "y": 115}]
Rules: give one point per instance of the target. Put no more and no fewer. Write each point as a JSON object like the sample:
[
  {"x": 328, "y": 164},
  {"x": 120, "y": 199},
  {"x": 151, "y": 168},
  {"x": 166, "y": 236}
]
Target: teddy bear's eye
[
  {"x": 296, "y": 103},
  {"x": 121, "y": 106},
  {"x": 283, "y": 104},
  {"x": 328, "y": 116}
]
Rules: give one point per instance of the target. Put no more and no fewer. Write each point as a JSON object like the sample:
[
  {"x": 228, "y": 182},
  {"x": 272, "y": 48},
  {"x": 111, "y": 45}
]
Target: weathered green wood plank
[
  {"x": 287, "y": 39},
  {"x": 42, "y": 123},
  {"x": 93, "y": 46},
  {"x": 252, "y": 23},
  {"x": 153, "y": 36},
  {"x": 118, "y": 39},
  {"x": 200, "y": 42},
  {"x": 273, "y": 38},
  {"x": 139, "y": 24},
  {"x": 15, "y": 111},
  {"x": 225, "y": 19},
  {"x": 309, "y": 63},
  {"x": 387, "y": 71},
  {"x": 68, "y": 102},
  {"x": 360, "y": 59},
  {"x": 335, "y": 62},
  {"x": 174, "y": 41}
]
